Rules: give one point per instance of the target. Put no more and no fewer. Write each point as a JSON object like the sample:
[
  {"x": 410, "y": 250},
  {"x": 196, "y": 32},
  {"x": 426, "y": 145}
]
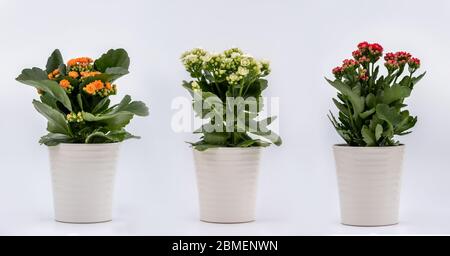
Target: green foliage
[
  {"x": 371, "y": 107},
  {"x": 75, "y": 114},
  {"x": 219, "y": 79}
]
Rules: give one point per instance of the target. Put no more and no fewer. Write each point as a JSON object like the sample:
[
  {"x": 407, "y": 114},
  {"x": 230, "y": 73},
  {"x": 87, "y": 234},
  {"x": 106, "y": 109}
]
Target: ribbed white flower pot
[
  {"x": 227, "y": 183},
  {"x": 369, "y": 184},
  {"x": 83, "y": 181}
]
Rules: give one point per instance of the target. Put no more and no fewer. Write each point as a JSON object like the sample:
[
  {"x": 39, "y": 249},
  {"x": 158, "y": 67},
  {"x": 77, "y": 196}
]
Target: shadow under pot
[
  {"x": 83, "y": 181},
  {"x": 227, "y": 180},
  {"x": 369, "y": 180}
]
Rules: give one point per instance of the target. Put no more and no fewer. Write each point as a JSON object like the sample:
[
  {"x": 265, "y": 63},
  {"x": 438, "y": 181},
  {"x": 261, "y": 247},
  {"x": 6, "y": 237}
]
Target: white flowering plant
[{"x": 227, "y": 92}]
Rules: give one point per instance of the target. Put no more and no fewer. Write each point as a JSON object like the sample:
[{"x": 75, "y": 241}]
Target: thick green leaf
[
  {"x": 394, "y": 93},
  {"x": 136, "y": 107},
  {"x": 371, "y": 100},
  {"x": 368, "y": 136},
  {"x": 37, "y": 78},
  {"x": 341, "y": 107},
  {"x": 270, "y": 135},
  {"x": 53, "y": 139},
  {"x": 112, "y": 122},
  {"x": 54, "y": 61},
  {"x": 356, "y": 100},
  {"x": 215, "y": 138},
  {"x": 367, "y": 113},
  {"x": 378, "y": 131},
  {"x": 388, "y": 114},
  {"x": 56, "y": 121},
  {"x": 101, "y": 106},
  {"x": 113, "y": 58}
]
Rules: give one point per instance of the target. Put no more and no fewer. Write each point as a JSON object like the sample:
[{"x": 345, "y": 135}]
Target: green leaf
[
  {"x": 56, "y": 121},
  {"x": 368, "y": 136},
  {"x": 113, "y": 58},
  {"x": 415, "y": 80},
  {"x": 215, "y": 138},
  {"x": 371, "y": 100},
  {"x": 203, "y": 147},
  {"x": 394, "y": 93},
  {"x": 388, "y": 114},
  {"x": 53, "y": 139},
  {"x": 112, "y": 122},
  {"x": 269, "y": 135},
  {"x": 54, "y": 61},
  {"x": 115, "y": 73},
  {"x": 367, "y": 113},
  {"x": 101, "y": 106},
  {"x": 355, "y": 99},
  {"x": 341, "y": 107},
  {"x": 80, "y": 101},
  {"x": 38, "y": 78},
  {"x": 136, "y": 107},
  {"x": 378, "y": 131}
]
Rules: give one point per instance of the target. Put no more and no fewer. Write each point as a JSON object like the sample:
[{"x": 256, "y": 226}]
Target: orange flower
[
  {"x": 53, "y": 74},
  {"x": 93, "y": 87},
  {"x": 90, "y": 89},
  {"x": 88, "y": 74},
  {"x": 81, "y": 61},
  {"x": 73, "y": 74},
  {"x": 64, "y": 83},
  {"x": 108, "y": 86}
]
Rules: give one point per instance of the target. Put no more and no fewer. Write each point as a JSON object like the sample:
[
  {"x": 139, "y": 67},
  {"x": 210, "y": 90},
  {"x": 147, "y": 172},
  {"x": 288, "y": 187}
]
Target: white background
[{"x": 155, "y": 187}]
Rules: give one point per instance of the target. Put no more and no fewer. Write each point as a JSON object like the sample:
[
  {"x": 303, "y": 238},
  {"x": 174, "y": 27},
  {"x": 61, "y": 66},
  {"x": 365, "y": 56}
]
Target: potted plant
[
  {"x": 371, "y": 113},
  {"x": 227, "y": 94},
  {"x": 85, "y": 131}
]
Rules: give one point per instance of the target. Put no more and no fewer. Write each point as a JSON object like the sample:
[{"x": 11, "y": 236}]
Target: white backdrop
[{"x": 155, "y": 186}]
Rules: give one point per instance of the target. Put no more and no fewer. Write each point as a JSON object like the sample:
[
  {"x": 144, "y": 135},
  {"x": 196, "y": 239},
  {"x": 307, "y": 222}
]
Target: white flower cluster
[{"x": 231, "y": 65}]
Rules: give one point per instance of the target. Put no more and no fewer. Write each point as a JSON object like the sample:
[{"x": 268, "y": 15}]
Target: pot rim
[
  {"x": 231, "y": 148},
  {"x": 86, "y": 144},
  {"x": 345, "y": 146}
]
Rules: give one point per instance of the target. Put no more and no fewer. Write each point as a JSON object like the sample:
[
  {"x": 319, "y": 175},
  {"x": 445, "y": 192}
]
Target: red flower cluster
[
  {"x": 399, "y": 59},
  {"x": 414, "y": 63},
  {"x": 368, "y": 52},
  {"x": 371, "y": 53}
]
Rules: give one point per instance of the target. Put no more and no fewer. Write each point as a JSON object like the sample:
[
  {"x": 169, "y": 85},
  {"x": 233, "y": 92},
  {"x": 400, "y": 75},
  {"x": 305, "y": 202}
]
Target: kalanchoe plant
[
  {"x": 219, "y": 82},
  {"x": 74, "y": 98},
  {"x": 371, "y": 106}
]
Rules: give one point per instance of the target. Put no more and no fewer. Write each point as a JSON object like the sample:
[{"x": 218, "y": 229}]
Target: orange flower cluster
[
  {"x": 100, "y": 88},
  {"x": 90, "y": 73},
  {"x": 54, "y": 74},
  {"x": 65, "y": 84},
  {"x": 83, "y": 61}
]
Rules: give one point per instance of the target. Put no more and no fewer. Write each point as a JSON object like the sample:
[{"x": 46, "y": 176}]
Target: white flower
[
  {"x": 233, "y": 78},
  {"x": 242, "y": 71},
  {"x": 206, "y": 58},
  {"x": 245, "y": 62},
  {"x": 235, "y": 55}
]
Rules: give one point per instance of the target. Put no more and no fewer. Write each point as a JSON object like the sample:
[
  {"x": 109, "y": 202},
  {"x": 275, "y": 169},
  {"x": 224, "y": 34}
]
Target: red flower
[
  {"x": 337, "y": 70},
  {"x": 349, "y": 63},
  {"x": 414, "y": 63},
  {"x": 402, "y": 57},
  {"x": 391, "y": 64},
  {"x": 363, "y": 45},
  {"x": 389, "y": 56},
  {"x": 375, "y": 48},
  {"x": 356, "y": 54}
]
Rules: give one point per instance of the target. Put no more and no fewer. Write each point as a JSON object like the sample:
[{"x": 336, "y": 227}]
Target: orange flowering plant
[{"x": 74, "y": 98}]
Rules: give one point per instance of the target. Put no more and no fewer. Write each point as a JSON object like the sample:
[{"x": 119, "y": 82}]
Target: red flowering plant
[
  {"x": 371, "y": 107},
  {"x": 74, "y": 98}
]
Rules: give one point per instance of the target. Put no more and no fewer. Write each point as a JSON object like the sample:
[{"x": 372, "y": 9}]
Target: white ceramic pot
[
  {"x": 83, "y": 181},
  {"x": 369, "y": 184},
  {"x": 227, "y": 183}
]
